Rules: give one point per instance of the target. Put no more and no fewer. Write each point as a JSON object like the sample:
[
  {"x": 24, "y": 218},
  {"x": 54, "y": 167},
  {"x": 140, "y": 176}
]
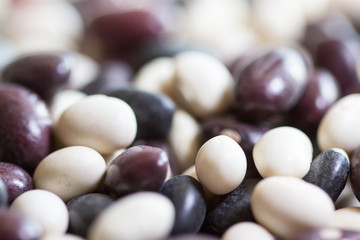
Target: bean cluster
[{"x": 179, "y": 120}]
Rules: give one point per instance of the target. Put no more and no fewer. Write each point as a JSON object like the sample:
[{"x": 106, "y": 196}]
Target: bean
[
  {"x": 138, "y": 168},
  {"x": 25, "y": 137},
  {"x": 59, "y": 172},
  {"x": 42, "y": 73},
  {"x": 193, "y": 237},
  {"x": 103, "y": 123},
  {"x": 152, "y": 211},
  {"x": 247, "y": 231},
  {"x": 15, "y": 225},
  {"x": 232, "y": 208},
  {"x": 321, "y": 92},
  {"x": 84, "y": 209},
  {"x": 329, "y": 171},
  {"x": 282, "y": 205},
  {"x": 44, "y": 207},
  {"x": 328, "y": 233},
  {"x": 245, "y": 134},
  {"x": 346, "y": 218},
  {"x": 272, "y": 83},
  {"x": 220, "y": 164},
  {"x": 187, "y": 195},
  {"x": 202, "y": 83},
  {"x": 15, "y": 179},
  {"x": 337, "y": 126},
  {"x": 355, "y": 173},
  {"x": 154, "y": 112},
  {"x": 62, "y": 237},
  {"x": 283, "y": 151}
]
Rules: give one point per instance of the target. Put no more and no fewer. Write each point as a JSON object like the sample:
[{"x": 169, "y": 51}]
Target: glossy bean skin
[
  {"x": 113, "y": 75},
  {"x": 321, "y": 92},
  {"x": 245, "y": 134},
  {"x": 16, "y": 180},
  {"x": 154, "y": 112},
  {"x": 25, "y": 136},
  {"x": 232, "y": 208},
  {"x": 139, "y": 168},
  {"x": 340, "y": 59},
  {"x": 329, "y": 171},
  {"x": 18, "y": 226},
  {"x": 188, "y": 197},
  {"x": 3, "y": 194},
  {"x": 329, "y": 233},
  {"x": 269, "y": 84},
  {"x": 84, "y": 209},
  {"x": 355, "y": 172},
  {"x": 42, "y": 73}
]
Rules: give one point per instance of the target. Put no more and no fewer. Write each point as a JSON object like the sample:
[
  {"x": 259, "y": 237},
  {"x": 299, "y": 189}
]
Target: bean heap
[{"x": 179, "y": 120}]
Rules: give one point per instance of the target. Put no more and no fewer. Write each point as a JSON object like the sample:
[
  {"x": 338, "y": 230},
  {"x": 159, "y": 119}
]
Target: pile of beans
[{"x": 179, "y": 120}]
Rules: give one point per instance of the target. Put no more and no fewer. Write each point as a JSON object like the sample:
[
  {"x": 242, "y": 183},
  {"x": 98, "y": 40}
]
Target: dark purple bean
[
  {"x": 113, "y": 75},
  {"x": 3, "y": 194},
  {"x": 164, "y": 146},
  {"x": 188, "y": 197},
  {"x": 355, "y": 172},
  {"x": 321, "y": 92},
  {"x": 16, "y": 226},
  {"x": 16, "y": 180},
  {"x": 335, "y": 26},
  {"x": 199, "y": 236},
  {"x": 42, "y": 73},
  {"x": 25, "y": 136},
  {"x": 329, "y": 234},
  {"x": 154, "y": 112},
  {"x": 232, "y": 208},
  {"x": 329, "y": 171},
  {"x": 271, "y": 84},
  {"x": 138, "y": 168},
  {"x": 245, "y": 134},
  {"x": 127, "y": 29},
  {"x": 341, "y": 58},
  {"x": 84, "y": 209}
]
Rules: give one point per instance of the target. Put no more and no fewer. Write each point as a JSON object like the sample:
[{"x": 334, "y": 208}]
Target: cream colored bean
[
  {"x": 61, "y": 237},
  {"x": 283, "y": 151},
  {"x": 184, "y": 139},
  {"x": 202, "y": 83},
  {"x": 247, "y": 231},
  {"x": 157, "y": 76},
  {"x": 339, "y": 127},
  {"x": 220, "y": 164},
  {"x": 100, "y": 122},
  {"x": 46, "y": 208},
  {"x": 288, "y": 206},
  {"x": 139, "y": 216},
  {"x": 63, "y": 100},
  {"x": 70, "y": 172},
  {"x": 347, "y": 218}
]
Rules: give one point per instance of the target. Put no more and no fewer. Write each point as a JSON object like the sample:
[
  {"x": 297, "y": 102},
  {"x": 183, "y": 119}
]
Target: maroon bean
[
  {"x": 128, "y": 29},
  {"x": 16, "y": 226},
  {"x": 271, "y": 84},
  {"x": 43, "y": 73},
  {"x": 139, "y": 168},
  {"x": 355, "y": 172},
  {"x": 340, "y": 58},
  {"x": 25, "y": 137},
  {"x": 321, "y": 92},
  {"x": 16, "y": 180}
]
